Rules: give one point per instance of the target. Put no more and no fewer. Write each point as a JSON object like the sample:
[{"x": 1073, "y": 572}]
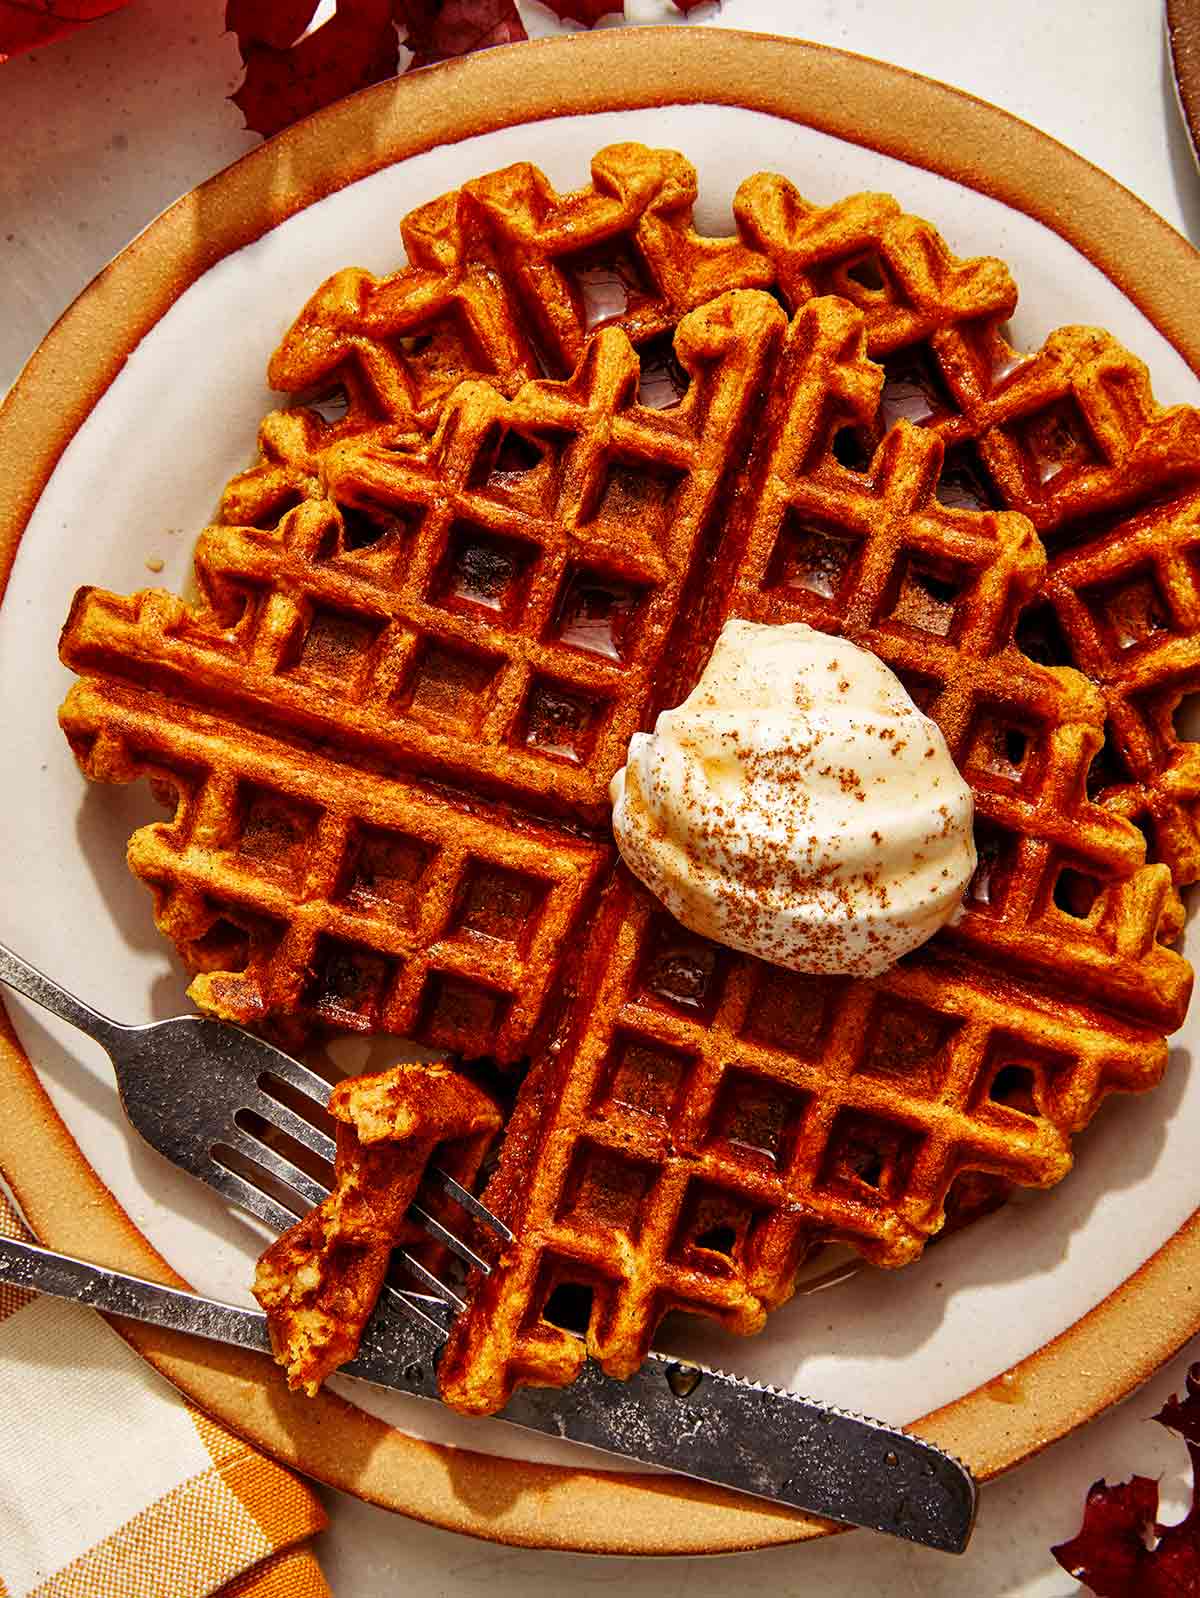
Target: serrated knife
[{"x": 702, "y": 1423}]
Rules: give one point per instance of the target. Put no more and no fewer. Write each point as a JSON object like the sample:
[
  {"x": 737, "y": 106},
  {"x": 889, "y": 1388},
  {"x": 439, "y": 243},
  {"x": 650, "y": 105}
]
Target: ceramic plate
[{"x": 113, "y": 447}]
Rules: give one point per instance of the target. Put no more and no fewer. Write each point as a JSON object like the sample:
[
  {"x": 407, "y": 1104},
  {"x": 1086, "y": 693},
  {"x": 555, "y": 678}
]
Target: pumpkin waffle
[
  {"x": 506, "y": 280},
  {"x": 706, "y": 1119},
  {"x": 503, "y": 633},
  {"x": 427, "y": 631}
]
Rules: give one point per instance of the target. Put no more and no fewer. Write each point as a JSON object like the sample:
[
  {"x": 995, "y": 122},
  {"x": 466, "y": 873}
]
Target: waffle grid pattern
[
  {"x": 304, "y": 891},
  {"x": 494, "y": 591},
  {"x": 1070, "y": 437},
  {"x": 492, "y": 607},
  {"x": 719, "y": 1117},
  {"x": 934, "y": 591},
  {"x": 506, "y": 280}
]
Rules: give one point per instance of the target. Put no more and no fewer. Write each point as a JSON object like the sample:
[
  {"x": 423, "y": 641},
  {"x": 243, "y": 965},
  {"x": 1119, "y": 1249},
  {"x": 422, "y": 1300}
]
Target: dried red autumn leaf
[
  {"x": 1121, "y": 1550},
  {"x": 588, "y": 12},
  {"x": 290, "y": 73},
  {"x": 287, "y": 80},
  {"x": 28, "y": 24},
  {"x": 436, "y": 30},
  {"x": 1182, "y": 1415},
  {"x": 275, "y": 23}
]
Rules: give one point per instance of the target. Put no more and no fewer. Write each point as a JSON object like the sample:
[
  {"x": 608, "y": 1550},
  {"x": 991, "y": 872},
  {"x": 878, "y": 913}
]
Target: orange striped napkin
[{"x": 113, "y": 1486}]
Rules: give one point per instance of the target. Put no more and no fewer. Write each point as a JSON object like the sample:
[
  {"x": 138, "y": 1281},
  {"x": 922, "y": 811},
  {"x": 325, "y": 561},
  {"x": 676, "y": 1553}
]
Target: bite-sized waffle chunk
[
  {"x": 319, "y": 1281},
  {"x": 292, "y": 445},
  {"x": 705, "y": 1119}
]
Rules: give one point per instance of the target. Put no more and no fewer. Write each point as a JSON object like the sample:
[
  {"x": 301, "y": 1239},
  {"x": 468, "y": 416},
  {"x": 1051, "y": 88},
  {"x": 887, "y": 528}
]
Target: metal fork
[{"x": 187, "y": 1085}]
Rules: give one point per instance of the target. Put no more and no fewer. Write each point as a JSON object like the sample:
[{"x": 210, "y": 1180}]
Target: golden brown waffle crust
[
  {"x": 678, "y": 1152},
  {"x": 993, "y": 151}
]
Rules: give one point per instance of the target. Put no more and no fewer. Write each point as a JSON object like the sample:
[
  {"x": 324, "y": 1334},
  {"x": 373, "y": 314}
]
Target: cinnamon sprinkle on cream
[{"x": 798, "y": 806}]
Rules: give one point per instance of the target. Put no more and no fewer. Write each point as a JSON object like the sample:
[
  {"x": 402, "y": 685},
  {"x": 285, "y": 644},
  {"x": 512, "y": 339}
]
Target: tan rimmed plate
[{"x": 113, "y": 445}]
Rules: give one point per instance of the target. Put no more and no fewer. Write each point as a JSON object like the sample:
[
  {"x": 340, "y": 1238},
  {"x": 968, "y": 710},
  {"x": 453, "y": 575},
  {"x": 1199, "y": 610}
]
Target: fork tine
[
  {"x": 456, "y": 1245},
  {"x": 276, "y": 1165},
  {"x": 287, "y": 1120},
  {"x": 407, "y": 1302},
  {"x": 295, "y": 1075},
  {"x": 233, "y": 1186},
  {"x": 469, "y": 1202},
  {"x": 429, "y": 1280}
]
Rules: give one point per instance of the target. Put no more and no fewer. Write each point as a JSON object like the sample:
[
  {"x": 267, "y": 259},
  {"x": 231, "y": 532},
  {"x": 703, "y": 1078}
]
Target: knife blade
[{"x": 703, "y": 1423}]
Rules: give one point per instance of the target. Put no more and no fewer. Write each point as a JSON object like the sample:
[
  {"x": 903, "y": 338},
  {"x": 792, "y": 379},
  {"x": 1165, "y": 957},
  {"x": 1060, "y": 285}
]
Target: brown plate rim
[
  {"x": 1183, "y": 37},
  {"x": 1063, "y": 1384}
]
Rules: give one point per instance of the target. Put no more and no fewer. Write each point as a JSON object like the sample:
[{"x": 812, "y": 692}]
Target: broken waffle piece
[{"x": 319, "y": 1281}]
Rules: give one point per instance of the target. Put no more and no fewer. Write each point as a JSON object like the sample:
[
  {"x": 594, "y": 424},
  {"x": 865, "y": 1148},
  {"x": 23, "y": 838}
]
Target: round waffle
[{"x": 429, "y": 628}]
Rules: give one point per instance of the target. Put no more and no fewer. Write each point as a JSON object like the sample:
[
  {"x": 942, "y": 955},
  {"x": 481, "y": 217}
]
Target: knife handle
[{"x": 41, "y": 1270}]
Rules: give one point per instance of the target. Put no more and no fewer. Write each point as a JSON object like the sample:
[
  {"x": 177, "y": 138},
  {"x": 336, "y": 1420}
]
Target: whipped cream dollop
[{"x": 798, "y": 806}]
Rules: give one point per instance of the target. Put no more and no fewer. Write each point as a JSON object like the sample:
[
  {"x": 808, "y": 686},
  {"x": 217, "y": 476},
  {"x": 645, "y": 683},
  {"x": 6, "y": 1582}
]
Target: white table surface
[{"x": 100, "y": 132}]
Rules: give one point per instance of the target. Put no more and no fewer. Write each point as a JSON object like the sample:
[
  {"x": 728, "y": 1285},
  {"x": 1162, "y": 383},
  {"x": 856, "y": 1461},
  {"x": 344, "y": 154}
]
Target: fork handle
[{"x": 36, "y": 985}]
